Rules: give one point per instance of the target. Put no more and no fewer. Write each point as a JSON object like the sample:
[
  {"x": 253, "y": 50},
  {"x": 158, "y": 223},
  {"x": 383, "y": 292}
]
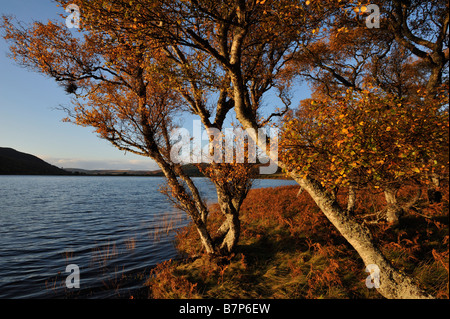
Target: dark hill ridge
[{"x": 13, "y": 162}]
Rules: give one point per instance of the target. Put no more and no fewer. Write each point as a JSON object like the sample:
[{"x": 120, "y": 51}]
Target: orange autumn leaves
[{"x": 367, "y": 138}]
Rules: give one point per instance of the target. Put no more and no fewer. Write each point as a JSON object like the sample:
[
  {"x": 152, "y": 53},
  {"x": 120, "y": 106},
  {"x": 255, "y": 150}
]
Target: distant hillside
[
  {"x": 190, "y": 169},
  {"x": 110, "y": 172},
  {"x": 13, "y": 162}
]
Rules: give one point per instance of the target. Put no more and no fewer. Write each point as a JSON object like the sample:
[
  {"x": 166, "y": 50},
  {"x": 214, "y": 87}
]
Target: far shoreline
[{"x": 128, "y": 174}]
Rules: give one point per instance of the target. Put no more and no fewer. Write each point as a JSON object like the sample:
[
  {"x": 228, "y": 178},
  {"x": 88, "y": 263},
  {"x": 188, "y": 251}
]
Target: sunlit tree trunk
[
  {"x": 393, "y": 284},
  {"x": 229, "y": 232},
  {"x": 351, "y": 199},
  {"x": 190, "y": 207},
  {"x": 393, "y": 210}
]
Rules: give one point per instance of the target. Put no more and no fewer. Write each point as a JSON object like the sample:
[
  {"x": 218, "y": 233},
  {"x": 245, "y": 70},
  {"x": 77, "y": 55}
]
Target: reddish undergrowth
[{"x": 288, "y": 249}]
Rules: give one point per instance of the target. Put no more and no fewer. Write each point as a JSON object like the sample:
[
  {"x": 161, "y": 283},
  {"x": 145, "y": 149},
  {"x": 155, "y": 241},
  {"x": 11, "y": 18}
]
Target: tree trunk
[
  {"x": 232, "y": 236},
  {"x": 205, "y": 239},
  {"x": 351, "y": 199},
  {"x": 435, "y": 78},
  {"x": 393, "y": 209},
  {"x": 393, "y": 284},
  {"x": 434, "y": 195},
  {"x": 228, "y": 234},
  {"x": 189, "y": 205}
]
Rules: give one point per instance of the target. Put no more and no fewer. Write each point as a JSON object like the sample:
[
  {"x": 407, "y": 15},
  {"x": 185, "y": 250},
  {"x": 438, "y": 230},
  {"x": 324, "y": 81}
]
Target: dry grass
[
  {"x": 166, "y": 224},
  {"x": 130, "y": 243},
  {"x": 288, "y": 249},
  {"x": 102, "y": 254}
]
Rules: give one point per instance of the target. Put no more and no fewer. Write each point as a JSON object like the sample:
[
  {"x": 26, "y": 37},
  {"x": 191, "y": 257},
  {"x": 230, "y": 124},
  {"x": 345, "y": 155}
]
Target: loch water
[{"x": 114, "y": 229}]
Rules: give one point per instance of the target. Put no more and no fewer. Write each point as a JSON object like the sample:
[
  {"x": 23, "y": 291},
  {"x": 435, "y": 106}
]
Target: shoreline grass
[{"x": 289, "y": 250}]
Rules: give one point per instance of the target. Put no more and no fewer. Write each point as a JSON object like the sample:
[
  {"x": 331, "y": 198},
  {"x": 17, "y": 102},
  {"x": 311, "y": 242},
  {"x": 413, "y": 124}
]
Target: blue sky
[{"x": 29, "y": 121}]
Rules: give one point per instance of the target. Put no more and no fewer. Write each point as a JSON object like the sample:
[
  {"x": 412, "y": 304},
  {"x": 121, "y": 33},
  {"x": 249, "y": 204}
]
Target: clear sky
[{"x": 29, "y": 120}]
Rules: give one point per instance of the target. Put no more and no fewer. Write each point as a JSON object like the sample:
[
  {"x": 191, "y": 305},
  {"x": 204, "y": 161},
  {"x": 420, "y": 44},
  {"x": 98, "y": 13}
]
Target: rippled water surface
[{"x": 110, "y": 227}]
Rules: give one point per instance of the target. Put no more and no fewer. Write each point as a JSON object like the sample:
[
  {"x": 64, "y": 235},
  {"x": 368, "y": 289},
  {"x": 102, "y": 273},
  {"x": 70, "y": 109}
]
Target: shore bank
[{"x": 288, "y": 249}]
